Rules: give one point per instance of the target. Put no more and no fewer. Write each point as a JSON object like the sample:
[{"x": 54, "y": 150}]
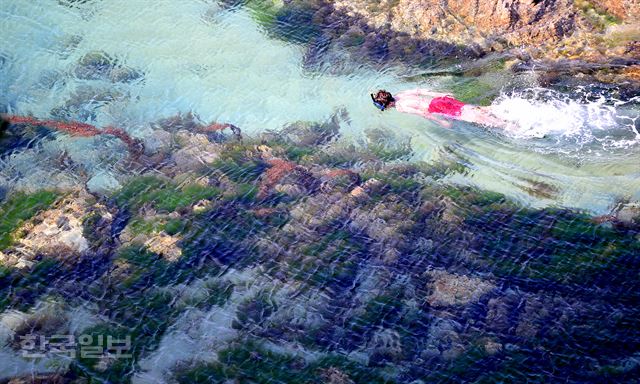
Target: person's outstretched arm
[{"x": 424, "y": 92}]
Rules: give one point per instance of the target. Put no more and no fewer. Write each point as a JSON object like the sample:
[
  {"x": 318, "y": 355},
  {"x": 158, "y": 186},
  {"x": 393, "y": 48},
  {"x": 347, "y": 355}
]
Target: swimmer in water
[{"x": 436, "y": 106}]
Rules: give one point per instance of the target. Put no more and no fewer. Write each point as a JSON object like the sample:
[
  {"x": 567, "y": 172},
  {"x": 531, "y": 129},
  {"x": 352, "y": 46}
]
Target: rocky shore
[
  {"x": 296, "y": 257},
  {"x": 546, "y": 29},
  {"x": 575, "y": 41}
]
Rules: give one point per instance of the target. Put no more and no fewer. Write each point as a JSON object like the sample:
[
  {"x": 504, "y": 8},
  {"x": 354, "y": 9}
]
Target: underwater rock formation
[
  {"x": 85, "y": 101},
  {"x": 295, "y": 257},
  {"x": 99, "y": 65},
  {"x": 449, "y": 289},
  {"x": 195, "y": 150},
  {"x": 60, "y": 232}
]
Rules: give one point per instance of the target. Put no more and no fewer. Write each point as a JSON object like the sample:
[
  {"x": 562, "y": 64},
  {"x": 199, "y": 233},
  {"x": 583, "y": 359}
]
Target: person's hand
[{"x": 443, "y": 123}]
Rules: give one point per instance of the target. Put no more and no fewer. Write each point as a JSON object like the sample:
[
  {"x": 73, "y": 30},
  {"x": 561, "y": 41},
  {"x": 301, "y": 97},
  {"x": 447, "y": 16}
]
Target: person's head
[{"x": 382, "y": 99}]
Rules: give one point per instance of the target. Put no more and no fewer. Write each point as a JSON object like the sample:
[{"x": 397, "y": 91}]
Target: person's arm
[
  {"x": 424, "y": 92},
  {"x": 442, "y": 122},
  {"x": 423, "y": 113}
]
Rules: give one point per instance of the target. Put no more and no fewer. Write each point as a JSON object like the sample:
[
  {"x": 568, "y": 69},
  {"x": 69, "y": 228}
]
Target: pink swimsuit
[{"x": 446, "y": 105}]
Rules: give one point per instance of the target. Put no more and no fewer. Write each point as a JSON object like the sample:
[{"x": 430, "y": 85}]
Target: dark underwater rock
[
  {"x": 98, "y": 65},
  {"x": 85, "y": 102},
  {"x": 74, "y": 3},
  {"x": 310, "y": 134},
  {"x": 188, "y": 121},
  {"x": 95, "y": 65},
  {"x": 14, "y": 137}
]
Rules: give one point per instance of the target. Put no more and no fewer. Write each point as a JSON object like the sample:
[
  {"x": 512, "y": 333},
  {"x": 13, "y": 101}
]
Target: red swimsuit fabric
[{"x": 446, "y": 105}]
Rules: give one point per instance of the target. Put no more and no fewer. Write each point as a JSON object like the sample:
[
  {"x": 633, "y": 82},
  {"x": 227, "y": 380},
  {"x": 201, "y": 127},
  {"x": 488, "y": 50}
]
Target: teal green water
[
  {"x": 387, "y": 275},
  {"x": 196, "y": 56}
]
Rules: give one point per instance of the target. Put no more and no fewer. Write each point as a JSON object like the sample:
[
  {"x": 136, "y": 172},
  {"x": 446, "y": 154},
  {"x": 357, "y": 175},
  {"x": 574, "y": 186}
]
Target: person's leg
[{"x": 481, "y": 115}]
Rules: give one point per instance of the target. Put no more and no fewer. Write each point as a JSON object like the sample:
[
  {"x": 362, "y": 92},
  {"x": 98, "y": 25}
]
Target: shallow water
[
  {"x": 198, "y": 56},
  {"x": 334, "y": 278}
]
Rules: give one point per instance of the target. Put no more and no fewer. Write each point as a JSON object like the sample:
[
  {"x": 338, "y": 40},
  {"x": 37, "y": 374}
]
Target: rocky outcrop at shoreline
[
  {"x": 539, "y": 26},
  {"x": 544, "y": 29},
  {"x": 591, "y": 37}
]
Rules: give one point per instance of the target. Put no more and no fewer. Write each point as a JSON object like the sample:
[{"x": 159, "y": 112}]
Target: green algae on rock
[
  {"x": 19, "y": 208},
  {"x": 162, "y": 194},
  {"x": 362, "y": 267}
]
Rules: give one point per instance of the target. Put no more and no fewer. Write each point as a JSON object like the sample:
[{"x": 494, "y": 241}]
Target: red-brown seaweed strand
[
  {"x": 77, "y": 128},
  {"x": 278, "y": 169},
  {"x": 217, "y": 127}
]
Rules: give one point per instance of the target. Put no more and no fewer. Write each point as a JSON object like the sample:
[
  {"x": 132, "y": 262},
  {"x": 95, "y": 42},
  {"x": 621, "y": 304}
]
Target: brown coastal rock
[
  {"x": 463, "y": 21},
  {"x": 585, "y": 30}
]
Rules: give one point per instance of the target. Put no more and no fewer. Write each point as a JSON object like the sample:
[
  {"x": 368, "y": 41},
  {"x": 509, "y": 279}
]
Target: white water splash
[{"x": 537, "y": 113}]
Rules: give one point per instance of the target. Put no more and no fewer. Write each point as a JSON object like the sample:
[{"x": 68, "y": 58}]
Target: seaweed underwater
[
  {"x": 173, "y": 250},
  {"x": 295, "y": 257}
]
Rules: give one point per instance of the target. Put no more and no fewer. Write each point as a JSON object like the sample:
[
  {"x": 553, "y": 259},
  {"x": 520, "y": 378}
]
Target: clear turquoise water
[
  {"x": 197, "y": 56},
  {"x": 558, "y": 291},
  {"x": 217, "y": 62}
]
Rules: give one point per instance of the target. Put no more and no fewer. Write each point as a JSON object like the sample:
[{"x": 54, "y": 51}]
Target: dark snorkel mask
[{"x": 378, "y": 105}]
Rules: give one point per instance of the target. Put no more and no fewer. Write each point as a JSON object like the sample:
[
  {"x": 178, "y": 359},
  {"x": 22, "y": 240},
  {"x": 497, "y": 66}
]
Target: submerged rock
[
  {"x": 57, "y": 232},
  {"x": 195, "y": 151},
  {"x": 95, "y": 65},
  {"x": 322, "y": 210},
  {"x": 100, "y": 65},
  {"x": 164, "y": 245},
  {"x": 188, "y": 122},
  {"x": 158, "y": 141},
  {"x": 449, "y": 289},
  {"x": 85, "y": 102},
  {"x": 443, "y": 341},
  {"x": 333, "y": 375},
  {"x": 182, "y": 143},
  {"x": 341, "y": 180},
  {"x": 386, "y": 223},
  {"x": 74, "y": 226},
  {"x": 103, "y": 183},
  {"x": 305, "y": 133}
]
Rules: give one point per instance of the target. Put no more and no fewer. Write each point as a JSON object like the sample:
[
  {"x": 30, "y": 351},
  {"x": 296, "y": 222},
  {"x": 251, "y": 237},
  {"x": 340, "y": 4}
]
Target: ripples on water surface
[
  {"x": 261, "y": 283},
  {"x": 195, "y": 56}
]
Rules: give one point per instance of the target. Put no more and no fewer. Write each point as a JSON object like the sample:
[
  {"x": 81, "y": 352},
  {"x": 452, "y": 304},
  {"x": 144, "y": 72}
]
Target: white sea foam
[{"x": 537, "y": 113}]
